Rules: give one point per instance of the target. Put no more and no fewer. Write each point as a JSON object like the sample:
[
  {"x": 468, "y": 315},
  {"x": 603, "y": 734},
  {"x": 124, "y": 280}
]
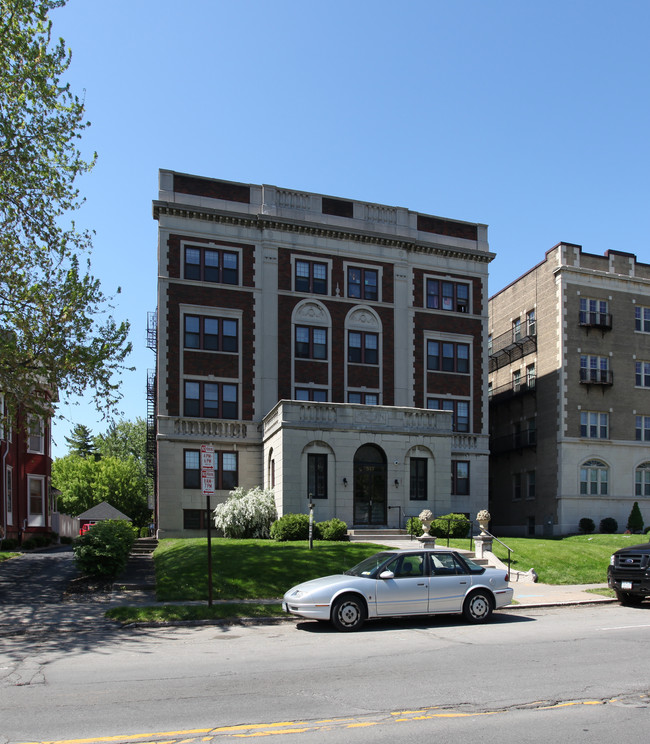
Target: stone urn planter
[
  {"x": 426, "y": 517},
  {"x": 483, "y": 519}
]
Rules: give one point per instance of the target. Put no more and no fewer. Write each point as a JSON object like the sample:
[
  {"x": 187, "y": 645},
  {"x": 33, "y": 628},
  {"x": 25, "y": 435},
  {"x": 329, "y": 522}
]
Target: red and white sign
[
  {"x": 207, "y": 481},
  {"x": 207, "y": 456}
]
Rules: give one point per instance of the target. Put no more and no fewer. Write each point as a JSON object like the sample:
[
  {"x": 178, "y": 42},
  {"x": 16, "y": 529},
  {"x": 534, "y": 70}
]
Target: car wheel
[
  {"x": 348, "y": 613},
  {"x": 477, "y": 607},
  {"x": 628, "y": 599}
]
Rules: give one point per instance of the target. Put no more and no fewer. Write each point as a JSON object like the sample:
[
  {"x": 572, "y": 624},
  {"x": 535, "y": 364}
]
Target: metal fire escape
[{"x": 151, "y": 451}]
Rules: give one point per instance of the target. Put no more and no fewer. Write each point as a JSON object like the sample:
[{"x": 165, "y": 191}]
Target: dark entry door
[{"x": 369, "y": 486}]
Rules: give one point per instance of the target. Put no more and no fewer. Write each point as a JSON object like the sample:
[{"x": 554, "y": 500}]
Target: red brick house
[{"x": 25, "y": 458}]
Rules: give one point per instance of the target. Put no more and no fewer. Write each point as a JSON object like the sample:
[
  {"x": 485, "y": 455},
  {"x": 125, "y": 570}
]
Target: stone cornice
[{"x": 267, "y": 222}]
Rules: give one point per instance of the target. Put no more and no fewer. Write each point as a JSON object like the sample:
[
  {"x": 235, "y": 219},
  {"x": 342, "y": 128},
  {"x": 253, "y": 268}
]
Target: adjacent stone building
[
  {"x": 327, "y": 348},
  {"x": 569, "y": 387}
]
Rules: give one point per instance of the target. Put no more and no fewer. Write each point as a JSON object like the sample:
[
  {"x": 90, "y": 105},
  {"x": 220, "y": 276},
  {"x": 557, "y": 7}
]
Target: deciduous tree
[{"x": 57, "y": 335}]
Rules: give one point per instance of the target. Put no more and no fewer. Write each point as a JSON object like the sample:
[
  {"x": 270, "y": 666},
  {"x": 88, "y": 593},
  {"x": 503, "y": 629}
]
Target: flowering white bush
[{"x": 246, "y": 513}]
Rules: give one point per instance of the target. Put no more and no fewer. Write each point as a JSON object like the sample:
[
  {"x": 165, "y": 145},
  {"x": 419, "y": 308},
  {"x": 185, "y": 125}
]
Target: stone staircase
[{"x": 144, "y": 546}]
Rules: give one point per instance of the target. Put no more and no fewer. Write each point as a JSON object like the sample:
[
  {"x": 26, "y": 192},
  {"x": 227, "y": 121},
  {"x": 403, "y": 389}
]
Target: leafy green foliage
[
  {"x": 333, "y": 529},
  {"x": 85, "y": 482},
  {"x": 635, "y": 520},
  {"x": 291, "y": 527},
  {"x": 608, "y": 525},
  {"x": 586, "y": 525},
  {"x": 246, "y": 513},
  {"x": 414, "y": 526},
  {"x": 123, "y": 440},
  {"x": 104, "y": 550},
  {"x": 58, "y": 336},
  {"x": 80, "y": 442},
  {"x": 452, "y": 525}
]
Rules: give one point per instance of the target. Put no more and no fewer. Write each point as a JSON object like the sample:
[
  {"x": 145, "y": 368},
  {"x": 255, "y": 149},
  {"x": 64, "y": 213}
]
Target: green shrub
[
  {"x": 104, "y": 550},
  {"x": 246, "y": 514},
  {"x": 9, "y": 544},
  {"x": 65, "y": 540},
  {"x": 333, "y": 529},
  {"x": 414, "y": 526},
  {"x": 292, "y": 527},
  {"x": 635, "y": 520},
  {"x": 456, "y": 525},
  {"x": 586, "y": 525},
  {"x": 608, "y": 525}
]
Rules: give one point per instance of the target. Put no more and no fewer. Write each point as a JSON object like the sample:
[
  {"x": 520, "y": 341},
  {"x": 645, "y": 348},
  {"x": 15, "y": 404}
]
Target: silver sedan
[{"x": 402, "y": 582}]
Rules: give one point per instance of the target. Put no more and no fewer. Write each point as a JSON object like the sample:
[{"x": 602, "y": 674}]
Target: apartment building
[
  {"x": 569, "y": 389},
  {"x": 327, "y": 348}
]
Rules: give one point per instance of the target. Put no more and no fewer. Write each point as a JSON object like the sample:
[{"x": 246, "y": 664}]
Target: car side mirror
[{"x": 386, "y": 575}]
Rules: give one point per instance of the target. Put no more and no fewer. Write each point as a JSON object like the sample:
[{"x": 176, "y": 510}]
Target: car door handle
[{"x": 423, "y": 584}]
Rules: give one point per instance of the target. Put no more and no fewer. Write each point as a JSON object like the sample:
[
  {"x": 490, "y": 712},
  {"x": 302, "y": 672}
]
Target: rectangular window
[
  {"x": 643, "y": 428},
  {"x": 362, "y": 283},
  {"x": 516, "y": 330},
  {"x": 211, "y": 334},
  {"x": 594, "y": 424},
  {"x": 531, "y": 323},
  {"x": 516, "y": 486},
  {"x": 593, "y": 312},
  {"x": 191, "y": 469},
  {"x": 642, "y": 319},
  {"x": 210, "y": 400},
  {"x": 363, "y": 347},
  {"x": 516, "y": 380},
  {"x": 445, "y": 356},
  {"x": 311, "y": 343},
  {"x": 195, "y": 519},
  {"x": 310, "y": 276},
  {"x": 459, "y": 478},
  {"x": 311, "y": 394},
  {"x": 459, "y": 408},
  {"x": 368, "y": 399},
  {"x": 36, "y": 443},
  {"x": 642, "y": 374},
  {"x": 317, "y": 476},
  {"x": 594, "y": 369},
  {"x": 446, "y": 295},
  {"x": 531, "y": 480},
  {"x": 418, "y": 481},
  {"x": 530, "y": 376},
  {"x": 211, "y": 265},
  {"x": 36, "y": 505},
  {"x": 225, "y": 470},
  {"x": 10, "y": 495}
]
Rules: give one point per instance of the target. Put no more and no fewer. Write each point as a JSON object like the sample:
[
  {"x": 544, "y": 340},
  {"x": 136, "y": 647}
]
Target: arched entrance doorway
[{"x": 369, "y": 486}]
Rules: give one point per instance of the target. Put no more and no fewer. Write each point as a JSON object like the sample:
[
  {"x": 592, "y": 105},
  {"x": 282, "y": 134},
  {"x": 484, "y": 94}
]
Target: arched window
[
  {"x": 642, "y": 480},
  {"x": 594, "y": 478}
]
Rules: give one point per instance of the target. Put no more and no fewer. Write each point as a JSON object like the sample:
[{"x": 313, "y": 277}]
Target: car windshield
[
  {"x": 369, "y": 566},
  {"x": 473, "y": 567}
]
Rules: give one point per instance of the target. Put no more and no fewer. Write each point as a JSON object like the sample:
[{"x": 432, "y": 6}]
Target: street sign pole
[{"x": 207, "y": 485}]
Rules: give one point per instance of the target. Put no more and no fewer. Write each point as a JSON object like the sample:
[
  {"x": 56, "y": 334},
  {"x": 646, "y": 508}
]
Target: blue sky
[{"x": 532, "y": 117}]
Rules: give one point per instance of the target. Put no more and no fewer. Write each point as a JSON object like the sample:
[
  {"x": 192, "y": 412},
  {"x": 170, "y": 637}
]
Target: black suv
[{"x": 629, "y": 574}]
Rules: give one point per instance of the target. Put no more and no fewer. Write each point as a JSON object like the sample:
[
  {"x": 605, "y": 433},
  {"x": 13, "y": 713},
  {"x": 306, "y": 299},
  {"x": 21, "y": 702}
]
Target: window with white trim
[
  {"x": 368, "y": 399},
  {"x": 36, "y": 441},
  {"x": 310, "y": 276},
  {"x": 210, "y": 399},
  {"x": 642, "y": 428},
  {"x": 642, "y": 319},
  {"x": 363, "y": 283},
  {"x": 210, "y": 334},
  {"x": 447, "y": 356},
  {"x": 594, "y": 368},
  {"x": 36, "y": 500},
  {"x": 211, "y": 265},
  {"x": 642, "y": 374},
  {"x": 642, "y": 480},
  {"x": 9, "y": 493},
  {"x": 594, "y": 424},
  {"x": 311, "y": 342},
  {"x": 317, "y": 395},
  {"x": 363, "y": 347},
  {"x": 447, "y": 295},
  {"x": 594, "y": 478},
  {"x": 459, "y": 409}
]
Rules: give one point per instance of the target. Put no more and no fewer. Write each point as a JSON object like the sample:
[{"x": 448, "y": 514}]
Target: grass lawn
[
  {"x": 265, "y": 569},
  {"x": 247, "y": 569},
  {"x": 4, "y": 556}
]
